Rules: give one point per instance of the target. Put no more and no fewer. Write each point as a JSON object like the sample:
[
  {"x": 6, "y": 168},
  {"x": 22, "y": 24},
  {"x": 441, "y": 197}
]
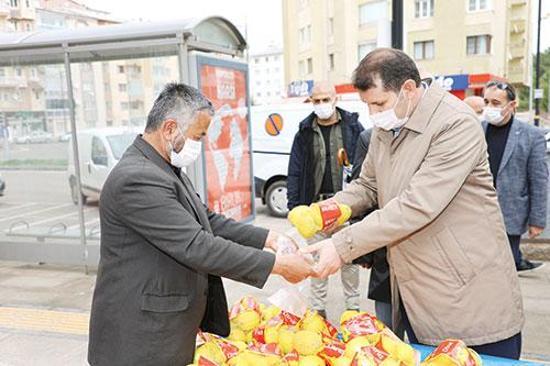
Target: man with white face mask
[
  {"x": 517, "y": 157},
  {"x": 451, "y": 273},
  {"x": 163, "y": 252},
  {"x": 315, "y": 173}
]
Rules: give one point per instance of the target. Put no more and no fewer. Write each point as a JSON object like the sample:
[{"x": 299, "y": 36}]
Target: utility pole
[
  {"x": 397, "y": 24},
  {"x": 537, "y": 70}
]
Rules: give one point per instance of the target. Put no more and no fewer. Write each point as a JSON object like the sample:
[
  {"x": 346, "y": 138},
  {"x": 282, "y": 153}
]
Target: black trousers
[{"x": 507, "y": 348}]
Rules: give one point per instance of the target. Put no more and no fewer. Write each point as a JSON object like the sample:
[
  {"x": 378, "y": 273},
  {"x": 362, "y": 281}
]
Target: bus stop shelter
[{"x": 213, "y": 37}]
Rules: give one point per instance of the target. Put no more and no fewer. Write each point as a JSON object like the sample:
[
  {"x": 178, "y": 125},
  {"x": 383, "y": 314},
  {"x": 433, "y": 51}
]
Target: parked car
[
  {"x": 2, "y": 185},
  {"x": 99, "y": 151},
  {"x": 273, "y": 130},
  {"x": 35, "y": 137},
  {"x": 547, "y": 136}
]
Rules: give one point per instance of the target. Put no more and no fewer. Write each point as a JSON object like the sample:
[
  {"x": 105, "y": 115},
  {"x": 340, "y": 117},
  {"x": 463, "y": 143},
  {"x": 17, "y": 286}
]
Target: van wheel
[
  {"x": 276, "y": 199},
  {"x": 74, "y": 193}
]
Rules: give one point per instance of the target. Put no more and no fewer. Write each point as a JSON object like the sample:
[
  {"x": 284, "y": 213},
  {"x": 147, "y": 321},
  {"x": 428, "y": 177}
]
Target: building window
[
  {"x": 2, "y": 72},
  {"x": 331, "y": 61},
  {"x": 14, "y": 3},
  {"x": 121, "y": 69},
  {"x": 423, "y": 50},
  {"x": 372, "y": 12},
  {"x": 122, "y": 88},
  {"x": 364, "y": 48},
  {"x": 124, "y": 106},
  {"x": 28, "y": 3},
  {"x": 18, "y": 71},
  {"x": 423, "y": 8},
  {"x": 302, "y": 68},
  {"x": 256, "y": 60},
  {"x": 37, "y": 95},
  {"x": 478, "y": 5},
  {"x": 309, "y": 65},
  {"x": 305, "y": 35},
  {"x": 330, "y": 27},
  {"x": 28, "y": 27},
  {"x": 478, "y": 45}
]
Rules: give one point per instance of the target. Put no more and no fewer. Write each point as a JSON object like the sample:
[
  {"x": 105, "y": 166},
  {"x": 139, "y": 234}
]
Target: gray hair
[{"x": 179, "y": 102}]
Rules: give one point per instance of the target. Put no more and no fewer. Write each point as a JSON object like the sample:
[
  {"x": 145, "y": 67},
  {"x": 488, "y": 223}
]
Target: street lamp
[{"x": 537, "y": 69}]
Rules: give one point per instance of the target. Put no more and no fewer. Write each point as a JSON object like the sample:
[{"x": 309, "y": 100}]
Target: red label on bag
[
  {"x": 451, "y": 347},
  {"x": 259, "y": 334},
  {"x": 330, "y": 212},
  {"x": 228, "y": 349},
  {"x": 266, "y": 349},
  {"x": 291, "y": 356},
  {"x": 372, "y": 354},
  {"x": 203, "y": 361},
  {"x": 333, "y": 349},
  {"x": 360, "y": 325}
]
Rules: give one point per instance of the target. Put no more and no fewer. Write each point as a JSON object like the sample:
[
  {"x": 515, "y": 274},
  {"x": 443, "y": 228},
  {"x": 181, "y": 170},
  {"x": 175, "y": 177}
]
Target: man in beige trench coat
[{"x": 452, "y": 272}]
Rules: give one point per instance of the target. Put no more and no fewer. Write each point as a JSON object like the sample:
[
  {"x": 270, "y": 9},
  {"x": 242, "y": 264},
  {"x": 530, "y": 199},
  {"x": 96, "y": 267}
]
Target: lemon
[{"x": 307, "y": 343}]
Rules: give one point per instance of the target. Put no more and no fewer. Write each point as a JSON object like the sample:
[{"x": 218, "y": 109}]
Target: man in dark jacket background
[{"x": 315, "y": 173}]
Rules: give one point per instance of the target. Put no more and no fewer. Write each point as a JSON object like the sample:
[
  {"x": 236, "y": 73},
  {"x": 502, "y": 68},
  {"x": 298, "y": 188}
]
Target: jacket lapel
[
  {"x": 190, "y": 196},
  {"x": 513, "y": 138}
]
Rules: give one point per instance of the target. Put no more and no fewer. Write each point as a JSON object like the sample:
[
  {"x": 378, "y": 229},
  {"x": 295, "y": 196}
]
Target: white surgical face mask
[
  {"x": 323, "y": 110},
  {"x": 493, "y": 115},
  {"x": 189, "y": 153},
  {"x": 388, "y": 120}
]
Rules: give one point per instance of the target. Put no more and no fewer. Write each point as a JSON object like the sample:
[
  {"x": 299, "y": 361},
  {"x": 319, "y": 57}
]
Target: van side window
[{"x": 99, "y": 153}]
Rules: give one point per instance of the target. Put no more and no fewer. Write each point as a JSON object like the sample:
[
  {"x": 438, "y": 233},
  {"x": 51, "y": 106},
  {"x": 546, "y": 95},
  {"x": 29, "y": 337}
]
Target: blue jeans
[{"x": 507, "y": 348}]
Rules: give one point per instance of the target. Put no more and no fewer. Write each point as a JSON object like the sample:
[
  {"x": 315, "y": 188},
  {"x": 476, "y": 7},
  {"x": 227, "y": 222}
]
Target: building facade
[
  {"x": 325, "y": 39},
  {"x": 267, "y": 81},
  {"x": 115, "y": 93},
  {"x": 470, "y": 37}
]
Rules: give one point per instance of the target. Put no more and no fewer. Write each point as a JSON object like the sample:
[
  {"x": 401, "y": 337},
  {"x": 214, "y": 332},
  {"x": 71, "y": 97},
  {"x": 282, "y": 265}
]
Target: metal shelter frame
[{"x": 108, "y": 43}]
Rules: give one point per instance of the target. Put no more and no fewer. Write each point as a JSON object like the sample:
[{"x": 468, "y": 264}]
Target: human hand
[
  {"x": 280, "y": 243},
  {"x": 293, "y": 267},
  {"x": 535, "y": 231},
  {"x": 329, "y": 260}
]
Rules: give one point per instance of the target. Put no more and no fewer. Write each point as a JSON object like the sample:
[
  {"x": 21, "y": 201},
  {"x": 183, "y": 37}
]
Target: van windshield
[{"x": 119, "y": 143}]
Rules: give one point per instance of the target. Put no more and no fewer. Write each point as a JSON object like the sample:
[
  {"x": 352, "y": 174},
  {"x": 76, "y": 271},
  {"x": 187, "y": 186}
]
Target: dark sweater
[{"x": 496, "y": 143}]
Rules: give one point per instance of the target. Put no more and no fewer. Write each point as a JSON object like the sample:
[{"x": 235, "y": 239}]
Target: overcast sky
[{"x": 263, "y": 17}]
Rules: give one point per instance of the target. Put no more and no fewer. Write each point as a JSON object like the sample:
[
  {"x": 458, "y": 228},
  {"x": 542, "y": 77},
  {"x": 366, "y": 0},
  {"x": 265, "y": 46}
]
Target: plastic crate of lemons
[{"x": 266, "y": 335}]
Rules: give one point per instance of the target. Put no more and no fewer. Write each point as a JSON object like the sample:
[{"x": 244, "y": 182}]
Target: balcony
[
  {"x": 516, "y": 53},
  {"x": 22, "y": 14},
  {"x": 518, "y": 2}
]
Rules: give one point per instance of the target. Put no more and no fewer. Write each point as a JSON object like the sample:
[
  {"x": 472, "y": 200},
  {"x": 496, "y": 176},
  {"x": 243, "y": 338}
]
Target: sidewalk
[{"x": 44, "y": 312}]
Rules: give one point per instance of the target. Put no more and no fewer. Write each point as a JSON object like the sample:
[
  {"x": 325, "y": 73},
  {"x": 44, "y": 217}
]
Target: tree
[{"x": 544, "y": 82}]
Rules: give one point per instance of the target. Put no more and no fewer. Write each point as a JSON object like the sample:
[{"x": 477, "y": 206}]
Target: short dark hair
[
  {"x": 177, "y": 101},
  {"x": 391, "y": 66},
  {"x": 508, "y": 88}
]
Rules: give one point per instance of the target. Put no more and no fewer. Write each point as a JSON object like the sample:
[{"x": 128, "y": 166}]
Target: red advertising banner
[{"x": 227, "y": 144}]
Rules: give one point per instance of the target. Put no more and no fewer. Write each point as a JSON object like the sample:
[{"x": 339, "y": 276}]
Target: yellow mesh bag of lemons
[{"x": 267, "y": 336}]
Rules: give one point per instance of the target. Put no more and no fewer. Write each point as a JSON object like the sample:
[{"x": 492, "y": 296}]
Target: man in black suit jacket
[{"x": 163, "y": 252}]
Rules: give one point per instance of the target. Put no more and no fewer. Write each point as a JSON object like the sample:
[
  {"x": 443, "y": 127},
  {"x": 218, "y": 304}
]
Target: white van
[
  {"x": 273, "y": 130},
  {"x": 99, "y": 151}
]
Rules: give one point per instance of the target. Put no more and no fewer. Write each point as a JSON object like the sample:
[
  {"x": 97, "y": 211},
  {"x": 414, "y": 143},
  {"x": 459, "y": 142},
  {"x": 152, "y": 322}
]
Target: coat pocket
[
  {"x": 164, "y": 303},
  {"x": 454, "y": 256}
]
